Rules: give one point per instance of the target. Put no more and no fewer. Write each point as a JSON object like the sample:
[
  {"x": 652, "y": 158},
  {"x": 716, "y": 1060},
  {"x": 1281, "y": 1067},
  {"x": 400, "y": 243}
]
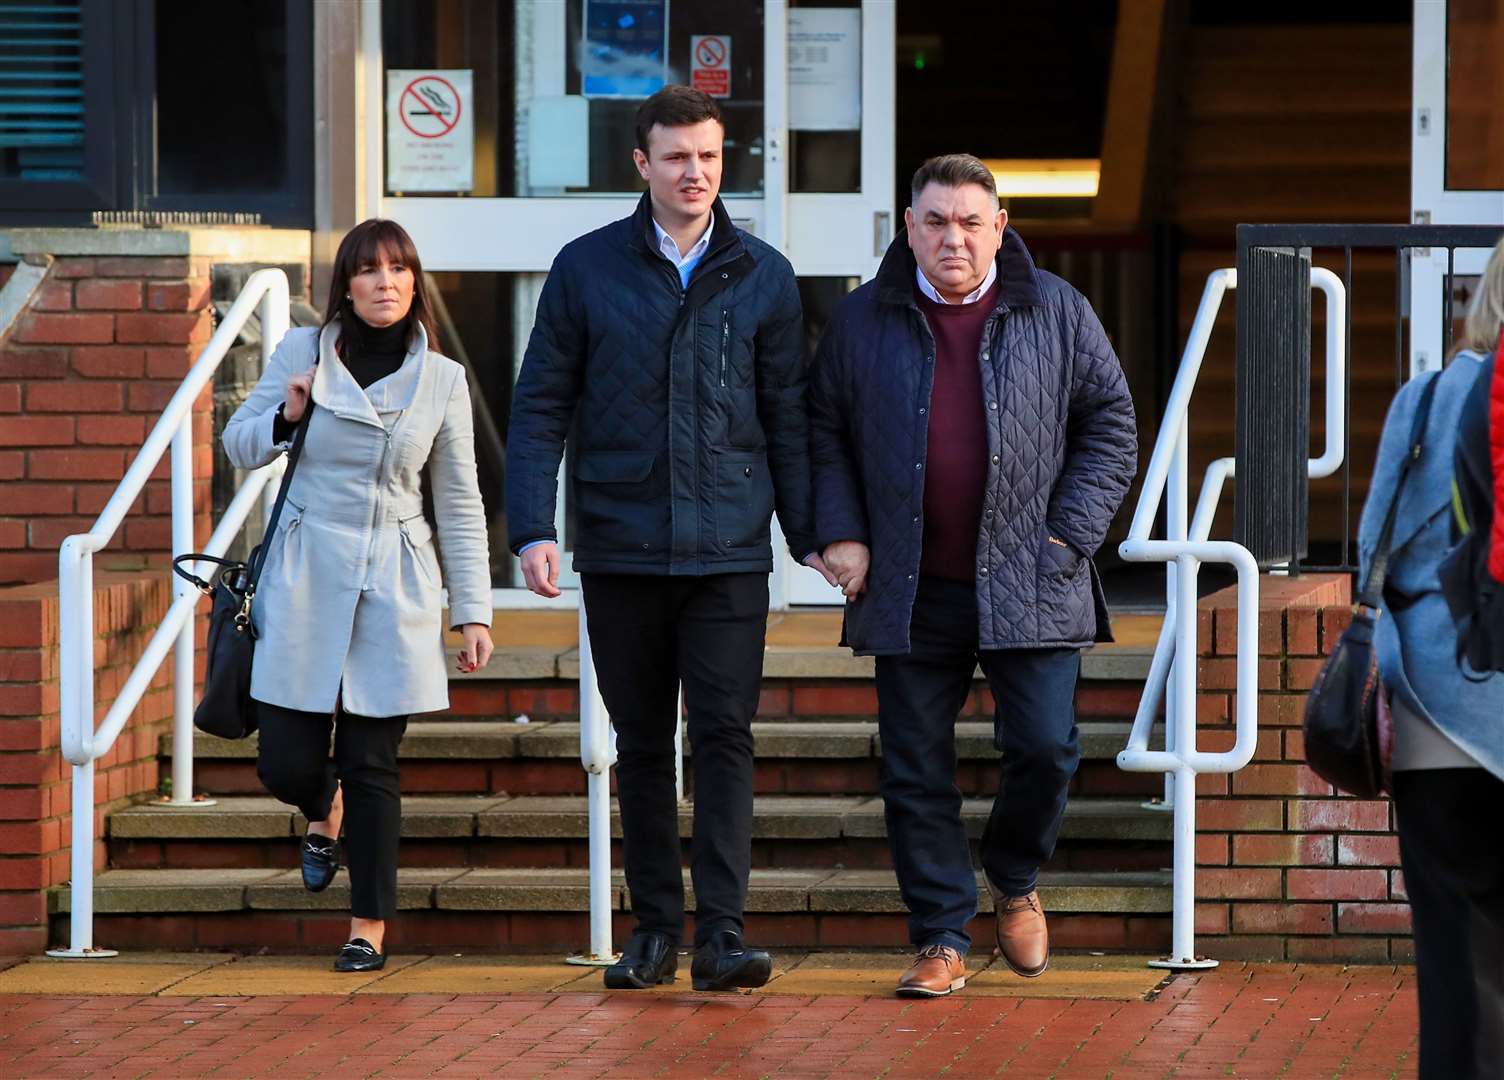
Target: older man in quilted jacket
[{"x": 972, "y": 436}]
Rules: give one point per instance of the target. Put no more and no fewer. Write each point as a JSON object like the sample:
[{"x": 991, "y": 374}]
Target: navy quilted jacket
[
  {"x": 685, "y": 408},
  {"x": 1061, "y": 443}
]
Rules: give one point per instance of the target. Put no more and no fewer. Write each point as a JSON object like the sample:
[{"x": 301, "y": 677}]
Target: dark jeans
[
  {"x": 1453, "y": 856},
  {"x": 294, "y": 764},
  {"x": 919, "y": 696},
  {"x": 647, "y": 635}
]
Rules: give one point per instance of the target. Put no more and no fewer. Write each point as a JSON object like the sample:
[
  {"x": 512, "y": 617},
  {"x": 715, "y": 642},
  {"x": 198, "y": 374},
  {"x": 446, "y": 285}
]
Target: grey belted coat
[{"x": 349, "y": 603}]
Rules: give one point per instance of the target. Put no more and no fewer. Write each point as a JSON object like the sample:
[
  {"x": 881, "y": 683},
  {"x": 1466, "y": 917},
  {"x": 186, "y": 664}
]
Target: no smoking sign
[
  {"x": 430, "y": 107},
  {"x": 710, "y": 64},
  {"x": 430, "y": 130}
]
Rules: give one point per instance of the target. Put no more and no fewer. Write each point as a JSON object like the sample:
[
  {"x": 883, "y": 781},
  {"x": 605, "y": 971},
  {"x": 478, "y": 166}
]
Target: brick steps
[
  {"x": 552, "y": 831},
  {"x": 480, "y": 909}
]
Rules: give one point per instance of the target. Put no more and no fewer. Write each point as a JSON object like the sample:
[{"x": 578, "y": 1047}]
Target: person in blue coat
[
  {"x": 1448, "y": 758},
  {"x": 972, "y": 436}
]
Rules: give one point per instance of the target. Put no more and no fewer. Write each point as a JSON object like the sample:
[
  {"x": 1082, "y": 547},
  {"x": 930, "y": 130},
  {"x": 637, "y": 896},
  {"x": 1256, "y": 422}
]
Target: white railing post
[
  {"x": 76, "y": 675},
  {"x": 182, "y": 678},
  {"x": 597, "y": 755}
]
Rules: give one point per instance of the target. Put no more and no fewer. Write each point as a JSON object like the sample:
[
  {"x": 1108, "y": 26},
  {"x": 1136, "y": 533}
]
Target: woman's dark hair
[
  {"x": 363, "y": 246},
  {"x": 675, "y": 106}
]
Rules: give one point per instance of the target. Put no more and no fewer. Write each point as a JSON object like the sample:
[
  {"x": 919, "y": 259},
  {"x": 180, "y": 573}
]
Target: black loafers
[
  {"x": 358, "y": 955},
  {"x": 650, "y": 958},
  {"x": 724, "y": 963},
  {"x": 320, "y": 861}
]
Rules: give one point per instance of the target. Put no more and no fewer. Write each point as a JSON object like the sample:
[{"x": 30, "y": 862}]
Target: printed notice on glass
[
  {"x": 825, "y": 69},
  {"x": 430, "y": 131},
  {"x": 625, "y": 51}
]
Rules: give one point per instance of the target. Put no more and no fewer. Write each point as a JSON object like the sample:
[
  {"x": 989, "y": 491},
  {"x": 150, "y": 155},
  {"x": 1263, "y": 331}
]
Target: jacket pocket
[
  {"x": 743, "y": 499},
  {"x": 1065, "y": 601},
  {"x": 614, "y": 502},
  {"x": 417, "y": 537}
]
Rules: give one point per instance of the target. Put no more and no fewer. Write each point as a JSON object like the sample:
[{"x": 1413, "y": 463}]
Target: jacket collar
[
  {"x": 1018, "y": 280},
  {"x": 724, "y": 236},
  {"x": 335, "y": 389}
]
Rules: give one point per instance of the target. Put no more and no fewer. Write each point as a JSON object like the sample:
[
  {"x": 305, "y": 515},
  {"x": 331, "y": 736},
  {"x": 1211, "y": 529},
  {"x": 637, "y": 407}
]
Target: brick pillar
[
  {"x": 35, "y": 781},
  {"x": 1287, "y": 869},
  {"x": 85, "y": 372}
]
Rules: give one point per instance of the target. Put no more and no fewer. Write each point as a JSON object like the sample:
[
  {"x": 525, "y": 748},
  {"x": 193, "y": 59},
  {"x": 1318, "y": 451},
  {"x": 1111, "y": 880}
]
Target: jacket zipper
[{"x": 725, "y": 343}]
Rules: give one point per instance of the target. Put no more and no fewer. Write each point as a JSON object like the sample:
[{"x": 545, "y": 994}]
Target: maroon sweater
[{"x": 956, "y": 473}]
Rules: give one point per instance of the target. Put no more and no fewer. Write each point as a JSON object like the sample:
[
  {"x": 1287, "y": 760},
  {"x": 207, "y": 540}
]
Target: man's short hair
[
  {"x": 952, "y": 170},
  {"x": 675, "y": 106}
]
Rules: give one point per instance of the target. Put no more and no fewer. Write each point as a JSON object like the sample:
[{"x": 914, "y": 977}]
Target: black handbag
[
  {"x": 226, "y": 709},
  {"x": 1346, "y": 737}
]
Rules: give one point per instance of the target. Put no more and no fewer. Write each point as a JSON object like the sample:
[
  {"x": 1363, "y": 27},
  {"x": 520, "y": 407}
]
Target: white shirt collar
[
  {"x": 670, "y": 249},
  {"x": 970, "y": 298}
]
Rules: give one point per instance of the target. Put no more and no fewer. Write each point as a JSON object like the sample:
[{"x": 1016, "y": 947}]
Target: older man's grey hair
[{"x": 952, "y": 170}]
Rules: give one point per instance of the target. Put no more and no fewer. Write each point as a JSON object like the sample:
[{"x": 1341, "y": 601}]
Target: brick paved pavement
[{"x": 1241, "y": 1020}]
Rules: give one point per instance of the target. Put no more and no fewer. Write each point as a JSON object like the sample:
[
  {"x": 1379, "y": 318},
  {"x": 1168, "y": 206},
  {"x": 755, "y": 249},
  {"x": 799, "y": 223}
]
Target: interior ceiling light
[{"x": 1055, "y": 178}]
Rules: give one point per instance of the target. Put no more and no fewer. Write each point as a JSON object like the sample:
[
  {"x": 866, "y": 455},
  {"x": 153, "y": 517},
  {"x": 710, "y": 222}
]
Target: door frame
[
  {"x": 1431, "y": 201},
  {"x": 822, "y": 234}
]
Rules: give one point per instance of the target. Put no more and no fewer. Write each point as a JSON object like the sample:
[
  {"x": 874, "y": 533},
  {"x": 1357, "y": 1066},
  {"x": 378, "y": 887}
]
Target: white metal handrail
[
  {"x": 1172, "y": 673},
  {"x": 82, "y": 743}
]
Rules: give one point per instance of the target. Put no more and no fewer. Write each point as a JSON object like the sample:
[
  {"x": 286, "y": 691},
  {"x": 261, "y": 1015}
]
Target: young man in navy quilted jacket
[
  {"x": 972, "y": 437},
  {"x": 668, "y": 349}
]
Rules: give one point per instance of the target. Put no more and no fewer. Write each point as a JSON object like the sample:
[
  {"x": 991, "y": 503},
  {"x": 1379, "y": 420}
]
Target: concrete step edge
[
  {"x": 846, "y": 892},
  {"x": 471, "y": 740},
  {"x": 565, "y": 817}
]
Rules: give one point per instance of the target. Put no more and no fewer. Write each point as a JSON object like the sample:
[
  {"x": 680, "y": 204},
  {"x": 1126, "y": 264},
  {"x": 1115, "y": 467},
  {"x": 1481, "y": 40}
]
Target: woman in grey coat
[
  {"x": 349, "y": 608},
  {"x": 1448, "y": 724}
]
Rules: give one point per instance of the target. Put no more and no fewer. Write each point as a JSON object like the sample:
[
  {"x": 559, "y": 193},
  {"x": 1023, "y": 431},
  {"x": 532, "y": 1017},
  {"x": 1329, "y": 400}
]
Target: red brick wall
[
  {"x": 35, "y": 780},
  {"x": 85, "y": 372},
  {"x": 1288, "y": 868}
]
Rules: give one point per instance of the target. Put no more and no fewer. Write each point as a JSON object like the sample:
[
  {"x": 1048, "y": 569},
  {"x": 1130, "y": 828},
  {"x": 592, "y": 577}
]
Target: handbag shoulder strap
[
  {"x": 1372, "y": 592},
  {"x": 293, "y": 454}
]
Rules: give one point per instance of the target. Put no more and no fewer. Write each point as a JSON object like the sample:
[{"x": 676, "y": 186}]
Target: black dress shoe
[
  {"x": 650, "y": 958},
  {"x": 320, "y": 861},
  {"x": 724, "y": 963},
  {"x": 358, "y": 955}
]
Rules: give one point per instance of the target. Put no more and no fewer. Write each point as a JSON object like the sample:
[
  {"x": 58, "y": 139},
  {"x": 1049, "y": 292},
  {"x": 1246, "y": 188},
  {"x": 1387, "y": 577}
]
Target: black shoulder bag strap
[
  {"x": 258, "y": 554},
  {"x": 1371, "y": 595}
]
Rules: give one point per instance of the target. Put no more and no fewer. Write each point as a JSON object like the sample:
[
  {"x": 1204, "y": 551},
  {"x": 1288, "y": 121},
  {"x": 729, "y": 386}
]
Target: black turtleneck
[{"x": 371, "y": 353}]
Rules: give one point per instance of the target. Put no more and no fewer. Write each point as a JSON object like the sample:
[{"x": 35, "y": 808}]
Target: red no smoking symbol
[
  {"x": 429, "y": 107},
  {"x": 710, "y": 52}
]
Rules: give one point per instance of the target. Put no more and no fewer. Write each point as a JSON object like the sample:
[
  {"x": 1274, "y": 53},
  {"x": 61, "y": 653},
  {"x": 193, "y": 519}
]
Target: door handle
[{"x": 882, "y": 232}]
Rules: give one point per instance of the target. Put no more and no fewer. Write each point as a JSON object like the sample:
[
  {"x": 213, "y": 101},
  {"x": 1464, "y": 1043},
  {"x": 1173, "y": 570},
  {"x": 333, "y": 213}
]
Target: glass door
[
  {"x": 544, "y": 155},
  {"x": 1456, "y": 156}
]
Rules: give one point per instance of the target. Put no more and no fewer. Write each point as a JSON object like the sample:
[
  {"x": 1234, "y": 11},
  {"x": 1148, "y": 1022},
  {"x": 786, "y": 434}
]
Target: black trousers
[
  {"x": 1453, "y": 856},
  {"x": 647, "y": 635},
  {"x": 919, "y": 696},
  {"x": 294, "y": 763}
]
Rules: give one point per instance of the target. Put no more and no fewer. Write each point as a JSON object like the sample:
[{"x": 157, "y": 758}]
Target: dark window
[
  {"x": 233, "y": 126},
  {"x": 156, "y": 105},
  {"x": 57, "y": 121}
]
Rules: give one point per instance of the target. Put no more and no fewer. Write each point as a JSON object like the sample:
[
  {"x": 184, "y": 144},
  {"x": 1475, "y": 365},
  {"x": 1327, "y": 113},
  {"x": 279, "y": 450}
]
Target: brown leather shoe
[
  {"x": 937, "y": 970},
  {"x": 1023, "y": 939}
]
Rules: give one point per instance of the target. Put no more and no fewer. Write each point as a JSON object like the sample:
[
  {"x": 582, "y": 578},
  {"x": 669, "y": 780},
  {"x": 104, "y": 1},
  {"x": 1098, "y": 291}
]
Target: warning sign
[
  {"x": 710, "y": 64},
  {"x": 430, "y": 141}
]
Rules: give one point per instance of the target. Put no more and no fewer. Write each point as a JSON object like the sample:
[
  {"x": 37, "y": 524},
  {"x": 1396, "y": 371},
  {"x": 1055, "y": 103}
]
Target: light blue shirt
[{"x": 687, "y": 262}]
